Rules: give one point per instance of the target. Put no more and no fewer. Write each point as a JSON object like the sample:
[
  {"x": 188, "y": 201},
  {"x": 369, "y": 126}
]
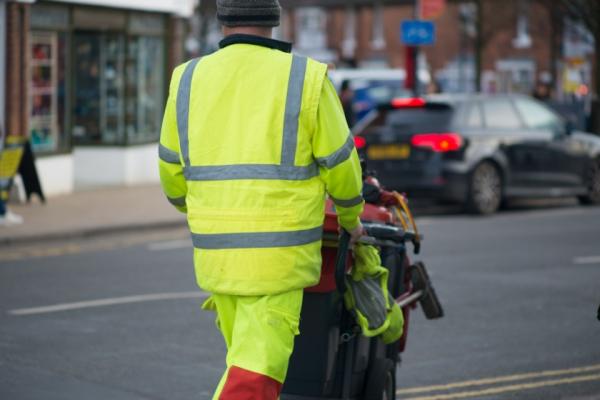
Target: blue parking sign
[{"x": 417, "y": 33}]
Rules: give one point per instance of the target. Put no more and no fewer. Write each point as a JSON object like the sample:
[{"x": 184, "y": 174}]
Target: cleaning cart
[{"x": 331, "y": 358}]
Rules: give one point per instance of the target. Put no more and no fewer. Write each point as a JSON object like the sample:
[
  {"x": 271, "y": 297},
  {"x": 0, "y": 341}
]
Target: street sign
[{"x": 417, "y": 33}]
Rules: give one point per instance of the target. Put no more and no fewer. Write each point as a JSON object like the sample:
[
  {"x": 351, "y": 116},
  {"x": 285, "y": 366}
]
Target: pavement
[
  {"x": 134, "y": 209},
  {"x": 89, "y": 213}
]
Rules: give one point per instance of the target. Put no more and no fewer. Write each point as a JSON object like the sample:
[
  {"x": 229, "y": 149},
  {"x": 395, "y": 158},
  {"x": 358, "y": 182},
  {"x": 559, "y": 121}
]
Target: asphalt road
[{"x": 119, "y": 318}]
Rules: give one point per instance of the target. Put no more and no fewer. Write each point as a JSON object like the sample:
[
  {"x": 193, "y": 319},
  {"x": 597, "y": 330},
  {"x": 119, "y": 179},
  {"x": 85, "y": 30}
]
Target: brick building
[
  {"x": 523, "y": 42},
  {"x": 520, "y": 39}
]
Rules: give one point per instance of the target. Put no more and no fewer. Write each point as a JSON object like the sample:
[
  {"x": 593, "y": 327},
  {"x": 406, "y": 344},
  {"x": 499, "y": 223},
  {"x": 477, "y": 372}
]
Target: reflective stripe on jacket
[{"x": 252, "y": 139}]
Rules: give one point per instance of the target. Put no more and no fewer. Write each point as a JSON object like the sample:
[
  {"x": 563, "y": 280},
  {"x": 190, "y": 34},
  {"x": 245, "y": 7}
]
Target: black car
[{"x": 479, "y": 150}]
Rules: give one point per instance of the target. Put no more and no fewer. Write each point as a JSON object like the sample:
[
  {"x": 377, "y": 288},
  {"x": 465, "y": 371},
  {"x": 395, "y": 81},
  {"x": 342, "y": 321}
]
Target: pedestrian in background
[
  {"x": 2, "y": 210},
  {"x": 347, "y": 99},
  {"x": 7, "y": 217},
  {"x": 542, "y": 91},
  {"x": 433, "y": 87},
  {"x": 2, "y": 204},
  {"x": 253, "y": 138}
]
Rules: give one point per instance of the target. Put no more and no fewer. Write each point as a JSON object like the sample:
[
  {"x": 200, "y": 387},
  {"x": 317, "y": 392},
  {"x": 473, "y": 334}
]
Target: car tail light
[
  {"x": 359, "y": 142},
  {"x": 438, "y": 142},
  {"x": 412, "y": 102}
]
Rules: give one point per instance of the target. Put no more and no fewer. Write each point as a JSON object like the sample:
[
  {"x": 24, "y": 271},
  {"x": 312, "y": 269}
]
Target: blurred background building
[
  {"x": 521, "y": 42},
  {"x": 493, "y": 46},
  {"x": 86, "y": 80}
]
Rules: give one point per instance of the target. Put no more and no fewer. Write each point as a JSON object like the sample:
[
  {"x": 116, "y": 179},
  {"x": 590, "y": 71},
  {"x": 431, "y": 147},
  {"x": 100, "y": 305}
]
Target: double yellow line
[
  {"x": 582, "y": 374},
  {"x": 59, "y": 249}
]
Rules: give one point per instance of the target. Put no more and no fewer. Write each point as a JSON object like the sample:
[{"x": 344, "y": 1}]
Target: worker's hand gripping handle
[{"x": 340, "y": 261}]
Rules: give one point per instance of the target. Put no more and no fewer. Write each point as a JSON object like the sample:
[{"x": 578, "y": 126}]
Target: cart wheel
[{"x": 381, "y": 381}]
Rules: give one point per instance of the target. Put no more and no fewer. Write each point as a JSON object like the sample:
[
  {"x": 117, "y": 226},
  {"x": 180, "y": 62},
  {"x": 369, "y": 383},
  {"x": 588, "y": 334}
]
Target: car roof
[
  {"x": 394, "y": 74},
  {"x": 374, "y": 73},
  {"x": 455, "y": 98}
]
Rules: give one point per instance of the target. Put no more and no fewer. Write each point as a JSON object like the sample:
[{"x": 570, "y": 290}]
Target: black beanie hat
[{"x": 248, "y": 12}]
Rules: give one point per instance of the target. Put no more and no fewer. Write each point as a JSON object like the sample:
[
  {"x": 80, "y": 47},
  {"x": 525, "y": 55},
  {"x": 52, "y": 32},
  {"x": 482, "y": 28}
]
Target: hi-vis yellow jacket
[{"x": 252, "y": 139}]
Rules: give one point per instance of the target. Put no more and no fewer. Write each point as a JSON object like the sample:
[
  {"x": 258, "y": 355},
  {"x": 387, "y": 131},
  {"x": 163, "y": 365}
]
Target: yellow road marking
[
  {"x": 500, "y": 379},
  {"x": 509, "y": 388},
  {"x": 63, "y": 249}
]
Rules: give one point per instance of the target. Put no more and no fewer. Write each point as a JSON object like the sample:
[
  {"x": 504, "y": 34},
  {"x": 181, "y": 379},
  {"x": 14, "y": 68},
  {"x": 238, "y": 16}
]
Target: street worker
[{"x": 253, "y": 138}]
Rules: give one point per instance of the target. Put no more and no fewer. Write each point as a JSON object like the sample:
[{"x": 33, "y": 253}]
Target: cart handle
[{"x": 340, "y": 261}]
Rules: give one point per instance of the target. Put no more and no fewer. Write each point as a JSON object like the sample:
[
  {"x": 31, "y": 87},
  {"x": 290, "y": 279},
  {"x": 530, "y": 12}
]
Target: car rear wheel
[
  {"x": 485, "y": 189},
  {"x": 593, "y": 184}
]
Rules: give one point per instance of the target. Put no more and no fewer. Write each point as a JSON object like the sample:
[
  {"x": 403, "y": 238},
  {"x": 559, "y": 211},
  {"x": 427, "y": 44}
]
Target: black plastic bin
[{"x": 331, "y": 359}]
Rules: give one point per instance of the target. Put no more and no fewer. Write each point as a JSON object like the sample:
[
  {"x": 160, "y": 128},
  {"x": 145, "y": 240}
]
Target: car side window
[
  {"x": 535, "y": 115},
  {"x": 473, "y": 118},
  {"x": 500, "y": 114}
]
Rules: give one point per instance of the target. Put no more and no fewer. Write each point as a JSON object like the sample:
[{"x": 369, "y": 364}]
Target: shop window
[
  {"x": 118, "y": 88},
  {"x": 111, "y": 88},
  {"x": 145, "y": 77},
  {"x": 47, "y": 91},
  {"x": 97, "y": 76},
  {"x": 98, "y": 100}
]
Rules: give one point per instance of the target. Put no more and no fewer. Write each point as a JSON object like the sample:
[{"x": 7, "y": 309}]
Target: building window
[
  {"x": 311, "y": 34},
  {"x": 99, "y": 91},
  {"x": 145, "y": 74},
  {"x": 349, "y": 42},
  {"x": 97, "y": 76},
  {"x": 522, "y": 39},
  {"x": 378, "y": 34},
  {"x": 47, "y": 91},
  {"x": 118, "y": 88},
  {"x": 311, "y": 28},
  {"x": 515, "y": 76}
]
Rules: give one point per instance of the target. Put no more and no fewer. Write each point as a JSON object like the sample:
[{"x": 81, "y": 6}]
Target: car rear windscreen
[{"x": 420, "y": 120}]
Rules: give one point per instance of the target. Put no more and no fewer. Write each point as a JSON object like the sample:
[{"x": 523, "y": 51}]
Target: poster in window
[{"x": 43, "y": 91}]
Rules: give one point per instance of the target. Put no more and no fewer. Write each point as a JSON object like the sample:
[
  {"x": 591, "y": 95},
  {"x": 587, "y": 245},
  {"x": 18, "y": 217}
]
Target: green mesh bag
[{"x": 368, "y": 299}]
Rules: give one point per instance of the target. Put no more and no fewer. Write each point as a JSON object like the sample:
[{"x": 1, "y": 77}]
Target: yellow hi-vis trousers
[{"x": 259, "y": 333}]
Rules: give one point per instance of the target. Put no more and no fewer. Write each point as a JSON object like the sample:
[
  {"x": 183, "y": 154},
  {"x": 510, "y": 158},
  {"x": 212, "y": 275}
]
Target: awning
[
  {"x": 182, "y": 8},
  {"x": 340, "y": 3}
]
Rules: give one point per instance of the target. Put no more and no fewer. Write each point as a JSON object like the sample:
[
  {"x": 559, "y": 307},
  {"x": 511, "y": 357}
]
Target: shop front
[
  {"x": 3, "y": 57},
  {"x": 98, "y": 79}
]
